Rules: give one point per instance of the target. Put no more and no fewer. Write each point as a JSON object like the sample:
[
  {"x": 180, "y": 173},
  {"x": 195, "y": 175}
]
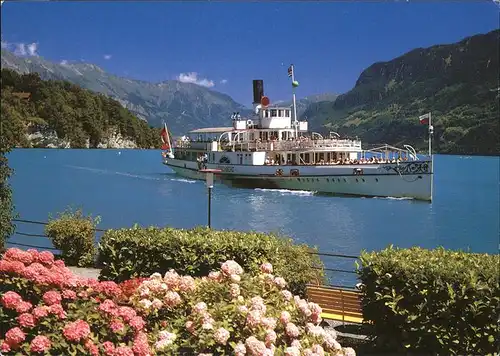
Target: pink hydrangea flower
[
  {"x": 240, "y": 350},
  {"x": 14, "y": 336},
  {"x": 40, "y": 344},
  {"x": 10, "y": 300},
  {"x": 280, "y": 282},
  {"x": 318, "y": 350},
  {"x": 171, "y": 279},
  {"x": 109, "y": 307},
  {"x": 254, "y": 318},
  {"x": 69, "y": 294},
  {"x": 266, "y": 268},
  {"x": 15, "y": 254},
  {"x": 57, "y": 310},
  {"x": 221, "y": 336},
  {"x": 287, "y": 295},
  {"x": 123, "y": 351},
  {"x": 141, "y": 346},
  {"x": 46, "y": 257},
  {"x": 270, "y": 338},
  {"x": 109, "y": 348},
  {"x": 137, "y": 323},
  {"x": 40, "y": 312},
  {"x": 292, "y": 330},
  {"x": 116, "y": 325},
  {"x": 269, "y": 323},
  {"x": 165, "y": 339},
  {"x": 52, "y": 297},
  {"x": 76, "y": 331},
  {"x": 200, "y": 307},
  {"x": 215, "y": 276},
  {"x": 127, "y": 313},
  {"x": 4, "y": 347},
  {"x": 285, "y": 317},
  {"x": 172, "y": 299},
  {"x": 255, "y": 347},
  {"x": 231, "y": 267},
  {"x": 23, "y": 307},
  {"x": 26, "y": 320},
  {"x": 187, "y": 284}
]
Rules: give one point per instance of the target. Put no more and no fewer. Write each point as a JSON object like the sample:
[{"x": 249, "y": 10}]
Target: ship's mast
[{"x": 291, "y": 74}]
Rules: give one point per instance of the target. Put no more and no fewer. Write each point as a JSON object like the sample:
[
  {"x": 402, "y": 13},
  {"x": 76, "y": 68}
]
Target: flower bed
[{"x": 47, "y": 309}]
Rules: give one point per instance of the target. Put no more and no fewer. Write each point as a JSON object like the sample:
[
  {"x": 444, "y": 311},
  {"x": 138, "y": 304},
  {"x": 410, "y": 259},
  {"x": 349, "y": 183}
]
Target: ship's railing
[{"x": 317, "y": 145}]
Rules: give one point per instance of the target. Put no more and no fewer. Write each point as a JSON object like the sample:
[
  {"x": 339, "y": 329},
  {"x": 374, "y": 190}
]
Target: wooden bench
[{"x": 337, "y": 303}]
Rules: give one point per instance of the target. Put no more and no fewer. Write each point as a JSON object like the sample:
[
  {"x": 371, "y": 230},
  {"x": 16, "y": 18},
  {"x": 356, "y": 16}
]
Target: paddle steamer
[{"x": 274, "y": 150}]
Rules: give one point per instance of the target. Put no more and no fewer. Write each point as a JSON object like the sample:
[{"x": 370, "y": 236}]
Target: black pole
[{"x": 209, "y": 205}]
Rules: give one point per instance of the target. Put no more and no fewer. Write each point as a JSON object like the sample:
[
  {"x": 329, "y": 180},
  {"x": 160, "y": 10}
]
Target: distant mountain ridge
[
  {"x": 458, "y": 83},
  {"x": 184, "y": 106}
]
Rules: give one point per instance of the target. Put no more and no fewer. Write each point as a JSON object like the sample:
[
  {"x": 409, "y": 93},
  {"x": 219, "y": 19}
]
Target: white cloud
[
  {"x": 22, "y": 49},
  {"x": 223, "y": 81},
  {"x": 64, "y": 62},
  {"x": 192, "y": 77},
  {"x": 107, "y": 56}
]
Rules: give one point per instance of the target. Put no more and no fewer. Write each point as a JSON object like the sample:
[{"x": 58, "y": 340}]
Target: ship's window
[
  {"x": 357, "y": 180},
  {"x": 345, "y": 180},
  {"x": 376, "y": 179},
  {"x": 338, "y": 179},
  {"x": 280, "y": 113},
  {"x": 363, "y": 179},
  {"x": 327, "y": 179},
  {"x": 287, "y": 113},
  {"x": 273, "y": 112}
]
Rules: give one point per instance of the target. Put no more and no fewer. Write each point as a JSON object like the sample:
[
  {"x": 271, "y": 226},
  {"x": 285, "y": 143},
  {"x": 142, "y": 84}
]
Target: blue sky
[{"x": 227, "y": 44}]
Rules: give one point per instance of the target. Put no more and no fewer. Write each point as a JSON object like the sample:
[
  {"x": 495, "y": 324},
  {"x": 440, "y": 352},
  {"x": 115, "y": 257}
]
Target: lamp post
[{"x": 209, "y": 175}]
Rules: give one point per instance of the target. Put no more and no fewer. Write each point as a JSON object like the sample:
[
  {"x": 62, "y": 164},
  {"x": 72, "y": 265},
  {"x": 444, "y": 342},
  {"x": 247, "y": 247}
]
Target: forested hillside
[
  {"x": 38, "y": 113},
  {"x": 458, "y": 83}
]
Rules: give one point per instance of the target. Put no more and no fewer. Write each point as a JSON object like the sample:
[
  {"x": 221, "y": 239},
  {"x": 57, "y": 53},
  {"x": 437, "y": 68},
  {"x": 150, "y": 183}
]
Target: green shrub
[
  {"x": 433, "y": 301},
  {"x": 139, "y": 252},
  {"x": 74, "y": 234}
]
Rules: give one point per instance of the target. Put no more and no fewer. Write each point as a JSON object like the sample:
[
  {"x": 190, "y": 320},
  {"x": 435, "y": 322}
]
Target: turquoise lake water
[{"x": 132, "y": 186}]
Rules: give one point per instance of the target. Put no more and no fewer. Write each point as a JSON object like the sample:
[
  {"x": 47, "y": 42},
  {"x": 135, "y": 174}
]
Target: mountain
[
  {"x": 458, "y": 83},
  {"x": 184, "y": 106},
  {"x": 305, "y": 102}
]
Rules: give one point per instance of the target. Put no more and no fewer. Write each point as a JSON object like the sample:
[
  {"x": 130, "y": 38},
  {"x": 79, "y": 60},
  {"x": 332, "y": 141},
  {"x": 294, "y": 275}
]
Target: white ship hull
[{"x": 400, "y": 180}]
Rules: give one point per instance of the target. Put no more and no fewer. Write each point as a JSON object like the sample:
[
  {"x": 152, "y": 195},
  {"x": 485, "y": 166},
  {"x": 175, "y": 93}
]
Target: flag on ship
[
  {"x": 165, "y": 138},
  {"x": 424, "y": 119},
  {"x": 290, "y": 70}
]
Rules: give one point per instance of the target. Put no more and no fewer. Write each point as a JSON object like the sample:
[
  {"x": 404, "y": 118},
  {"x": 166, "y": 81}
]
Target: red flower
[
  {"x": 23, "y": 307},
  {"x": 10, "y": 300},
  {"x": 57, "y": 310},
  {"x": 76, "y": 331},
  {"x": 14, "y": 336},
  {"x": 40, "y": 344},
  {"x": 123, "y": 351},
  {"x": 4, "y": 347},
  {"x": 137, "y": 323},
  {"x": 109, "y": 348},
  {"x": 141, "y": 346},
  {"x": 52, "y": 297},
  {"x": 69, "y": 294},
  {"x": 26, "y": 320}
]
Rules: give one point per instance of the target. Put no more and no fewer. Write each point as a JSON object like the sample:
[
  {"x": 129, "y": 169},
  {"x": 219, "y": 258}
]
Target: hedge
[
  {"x": 139, "y": 252},
  {"x": 432, "y": 301},
  {"x": 74, "y": 234}
]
